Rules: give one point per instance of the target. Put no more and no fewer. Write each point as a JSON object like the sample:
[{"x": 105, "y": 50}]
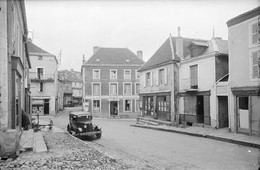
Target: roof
[
  {"x": 243, "y": 17},
  {"x": 72, "y": 76},
  {"x": 118, "y": 56},
  {"x": 34, "y": 49},
  {"x": 164, "y": 54}
]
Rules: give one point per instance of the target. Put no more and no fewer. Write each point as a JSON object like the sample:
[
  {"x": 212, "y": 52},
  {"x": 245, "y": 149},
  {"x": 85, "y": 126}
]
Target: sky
[{"x": 71, "y": 28}]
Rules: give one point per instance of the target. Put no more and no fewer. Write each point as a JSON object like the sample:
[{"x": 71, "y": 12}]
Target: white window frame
[
  {"x": 116, "y": 87},
  {"x": 151, "y": 79},
  {"x": 124, "y": 88},
  {"x": 139, "y": 88},
  {"x": 99, "y": 106},
  {"x": 136, "y": 73},
  {"x": 131, "y": 106},
  {"x": 110, "y": 74},
  {"x": 251, "y": 33},
  {"x": 98, "y": 74},
  {"x": 43, "y": 76},
  {"x": 127, "y": 78},
  {"x": 137, "y": 110},
  {"x": 251, "y": 64},
  {"x": 92, "y": 86}
]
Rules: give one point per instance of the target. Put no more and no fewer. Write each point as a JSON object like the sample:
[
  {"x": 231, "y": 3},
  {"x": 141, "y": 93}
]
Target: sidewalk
[{"x": 216, "y": 134}]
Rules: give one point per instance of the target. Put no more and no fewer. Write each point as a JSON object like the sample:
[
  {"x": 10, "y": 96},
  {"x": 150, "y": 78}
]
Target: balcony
[
  {"x": 34, "y": 77},
  {"x": 186, "y": 85}
]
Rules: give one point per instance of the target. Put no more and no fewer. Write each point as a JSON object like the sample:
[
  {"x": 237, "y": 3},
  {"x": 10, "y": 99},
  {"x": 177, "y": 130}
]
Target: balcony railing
[
  {"x": 34, "y": 77},
  {"x": 185, "y": 85}
]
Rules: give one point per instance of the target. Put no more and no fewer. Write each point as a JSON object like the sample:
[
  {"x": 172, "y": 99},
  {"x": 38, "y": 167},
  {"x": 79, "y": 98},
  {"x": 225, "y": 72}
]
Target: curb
[{"x": 243, "y": 143}]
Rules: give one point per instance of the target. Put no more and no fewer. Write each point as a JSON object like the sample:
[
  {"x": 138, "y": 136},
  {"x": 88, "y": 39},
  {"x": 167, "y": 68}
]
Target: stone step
[
  {"x": 39, "y": 143},
  {"x": 27, "y": 140}
]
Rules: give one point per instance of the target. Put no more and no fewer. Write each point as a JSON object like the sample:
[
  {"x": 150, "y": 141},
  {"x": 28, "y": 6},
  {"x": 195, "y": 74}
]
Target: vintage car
[{"x": 80, "y": 124}]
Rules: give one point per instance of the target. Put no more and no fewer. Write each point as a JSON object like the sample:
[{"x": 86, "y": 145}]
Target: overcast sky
[{"x": 74, "y": 27}]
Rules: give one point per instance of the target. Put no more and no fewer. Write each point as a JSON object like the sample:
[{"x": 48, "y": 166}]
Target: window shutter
[
  {"x": 157, "y": 77},
  {"x": 151, "y": 78},
  {"x": 165, "y": 75}
]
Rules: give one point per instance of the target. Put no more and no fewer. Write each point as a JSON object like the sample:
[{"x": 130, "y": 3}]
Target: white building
[{"x": 44, "y": 80}]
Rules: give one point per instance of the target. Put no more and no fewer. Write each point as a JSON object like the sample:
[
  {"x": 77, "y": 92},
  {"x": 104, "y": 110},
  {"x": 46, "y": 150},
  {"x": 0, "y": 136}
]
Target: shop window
[
  {"x": 96, "y": 106},
  {"x": 127, "y": 105}
]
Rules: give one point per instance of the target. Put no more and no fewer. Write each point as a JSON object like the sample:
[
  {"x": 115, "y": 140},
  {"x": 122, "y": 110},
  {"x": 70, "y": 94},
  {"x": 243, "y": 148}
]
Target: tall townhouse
[
  {"x": 111, "y": 82},
  {"x": 244, "y": 81},
  {"x": 44, "y": 80},
  {"x": 203, "y": 87},
  {"x": 158, "y": 84},
  {"x": 185, "y": 81},
  {"x": 14, "y": 66}
]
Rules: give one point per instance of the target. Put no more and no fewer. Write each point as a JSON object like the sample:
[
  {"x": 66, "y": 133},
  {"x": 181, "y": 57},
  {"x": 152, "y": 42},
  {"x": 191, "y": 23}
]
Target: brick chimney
[
  {"x": 140, "y": 54},
  {"x": 179, "y": 44},
  {"x": 95, "y": 49}
]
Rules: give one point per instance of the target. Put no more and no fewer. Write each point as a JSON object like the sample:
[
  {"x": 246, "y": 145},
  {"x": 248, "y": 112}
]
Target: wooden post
[{"x": 250, "y": 114}]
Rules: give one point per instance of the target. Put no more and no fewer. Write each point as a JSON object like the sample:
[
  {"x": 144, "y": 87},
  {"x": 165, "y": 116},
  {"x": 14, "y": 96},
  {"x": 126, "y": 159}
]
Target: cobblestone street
[{"x": 64, "y": 152}]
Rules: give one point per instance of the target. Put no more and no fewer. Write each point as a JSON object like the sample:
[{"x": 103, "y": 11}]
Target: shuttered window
[
  {"x": 255, "y": 64},
  {"x": 148, "y": 79},
  {"x": 194, "y": 77}
]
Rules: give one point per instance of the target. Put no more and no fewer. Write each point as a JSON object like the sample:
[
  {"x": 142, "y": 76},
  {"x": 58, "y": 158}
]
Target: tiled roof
[
  {"x": 66, "y": 75},
  {"x": 32, "y": 48},
  {"x": 164, "y": 53},
  {"x": 114, "y": 56}
]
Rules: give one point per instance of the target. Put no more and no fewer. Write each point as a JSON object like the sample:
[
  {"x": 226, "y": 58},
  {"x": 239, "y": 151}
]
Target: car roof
[{"x": 80, "y": 114}]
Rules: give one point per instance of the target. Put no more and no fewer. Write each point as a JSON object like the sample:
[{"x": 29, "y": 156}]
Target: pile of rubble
[{"x": 64, "y": 152}]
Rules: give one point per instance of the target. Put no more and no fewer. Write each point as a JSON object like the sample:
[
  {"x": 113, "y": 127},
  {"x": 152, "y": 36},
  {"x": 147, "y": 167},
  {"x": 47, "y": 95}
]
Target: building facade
[
  {"x": 14, "y": 65},
  {"x": 70, "y": 87},
  {"x": 244, "y": 81},
  {"x": 158, "y": 84},
  {"x": 203, "y": 94},
  {"x": 111, "y": 82},
  {"x": 44, "y": 80}
]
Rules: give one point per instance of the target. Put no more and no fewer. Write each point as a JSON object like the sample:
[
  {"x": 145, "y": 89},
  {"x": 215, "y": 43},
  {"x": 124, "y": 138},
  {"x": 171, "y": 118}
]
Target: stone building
[
  {"x": 44, "y": 80},
  {"x": 111, "y": 82},
  {"x": 14, "y": 66}
]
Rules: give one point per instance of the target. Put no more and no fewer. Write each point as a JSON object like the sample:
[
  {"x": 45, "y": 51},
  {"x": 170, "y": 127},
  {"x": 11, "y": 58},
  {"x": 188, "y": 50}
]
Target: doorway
[
  {"x": 148, "y": 106},
  {"x": 46, "y": 107},
  {"x": 200, "y": 109},
  {"x": 223, "y": 111},
  {"x": 113, "y": 108}
]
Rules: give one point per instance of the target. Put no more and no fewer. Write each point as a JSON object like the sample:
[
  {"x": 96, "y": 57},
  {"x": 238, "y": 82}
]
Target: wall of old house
[{"x": 240, "y": 72}]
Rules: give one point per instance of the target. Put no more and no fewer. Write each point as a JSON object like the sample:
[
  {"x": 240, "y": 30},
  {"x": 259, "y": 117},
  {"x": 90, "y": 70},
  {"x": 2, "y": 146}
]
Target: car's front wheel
[
  {"x": 68, "y": 129},
  {"x": 98, "y": 135}
]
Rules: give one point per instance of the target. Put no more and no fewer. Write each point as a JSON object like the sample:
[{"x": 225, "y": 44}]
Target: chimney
[
  {"x": 140, "y": 54},
  {"x": 95, "y": 49},
  {"x": 179, "y": 44},
  {"x": 83, "y": 60}
]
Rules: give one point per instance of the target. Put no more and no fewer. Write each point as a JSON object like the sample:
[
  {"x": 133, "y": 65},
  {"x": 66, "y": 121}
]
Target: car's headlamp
[{"x": 80, "y": 129}]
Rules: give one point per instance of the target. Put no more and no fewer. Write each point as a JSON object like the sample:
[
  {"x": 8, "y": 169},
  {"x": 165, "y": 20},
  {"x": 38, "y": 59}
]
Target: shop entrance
[{"x": 113, "y": 108}]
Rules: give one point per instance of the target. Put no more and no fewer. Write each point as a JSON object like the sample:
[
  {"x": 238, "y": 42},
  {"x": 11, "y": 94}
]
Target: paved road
[{"x": 168, "y": 150}]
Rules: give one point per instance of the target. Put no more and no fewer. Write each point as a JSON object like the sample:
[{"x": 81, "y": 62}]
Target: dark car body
[{"x": 80, "y": 123}]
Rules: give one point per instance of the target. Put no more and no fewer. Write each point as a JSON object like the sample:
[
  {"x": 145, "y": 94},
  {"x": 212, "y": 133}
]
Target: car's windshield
[{"x": 83, "y": 118}]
